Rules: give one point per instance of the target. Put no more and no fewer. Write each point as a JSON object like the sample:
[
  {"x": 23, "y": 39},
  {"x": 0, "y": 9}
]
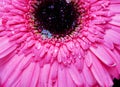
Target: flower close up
[{"x": 59, "y": 43}]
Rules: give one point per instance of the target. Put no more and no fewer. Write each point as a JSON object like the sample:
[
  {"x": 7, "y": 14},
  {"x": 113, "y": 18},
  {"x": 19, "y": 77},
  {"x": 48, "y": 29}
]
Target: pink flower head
[{"x": 87, "y": 55}]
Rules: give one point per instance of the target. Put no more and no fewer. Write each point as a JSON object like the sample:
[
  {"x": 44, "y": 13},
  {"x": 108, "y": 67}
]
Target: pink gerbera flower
[{"x": 58, "y": 43}]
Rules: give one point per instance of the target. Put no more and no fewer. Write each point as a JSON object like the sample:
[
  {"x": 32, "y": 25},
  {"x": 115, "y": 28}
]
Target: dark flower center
[{"x": 56, "y": 16}]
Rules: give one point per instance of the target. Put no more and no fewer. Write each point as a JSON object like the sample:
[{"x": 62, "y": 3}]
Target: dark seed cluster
[{"x": 56, "y": 16}]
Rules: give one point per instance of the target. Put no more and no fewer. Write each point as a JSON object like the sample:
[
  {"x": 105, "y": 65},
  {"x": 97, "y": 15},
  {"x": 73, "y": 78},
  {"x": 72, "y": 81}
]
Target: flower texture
[{"x": 89, "y": 57}]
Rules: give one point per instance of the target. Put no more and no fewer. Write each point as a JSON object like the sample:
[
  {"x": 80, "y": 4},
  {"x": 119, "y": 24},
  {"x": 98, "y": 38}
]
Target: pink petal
[
  {"x": 88, "y": 75},
  {"x": 53, "y": 74},
  {"x": 62, "y": 77},
  {"x": 102, "y": 54},
  {"x": 114, "y": 6},
  {"x": 113, "y": 36},
  {"x": 100, "y": 73},
  {"x": 49, "y": 54},
  {"x": 22, "y": 61},
  {"x": 44, "y": 74},
  {"x": 13, "y": 63},
  {"x": 70, "y": 82},
  {"x": 23, "y": 80},
  {"x": 75, "y": 75}
]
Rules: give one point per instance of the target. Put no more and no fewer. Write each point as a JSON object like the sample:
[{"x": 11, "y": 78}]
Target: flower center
[{"x": 55, "y": 17}]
